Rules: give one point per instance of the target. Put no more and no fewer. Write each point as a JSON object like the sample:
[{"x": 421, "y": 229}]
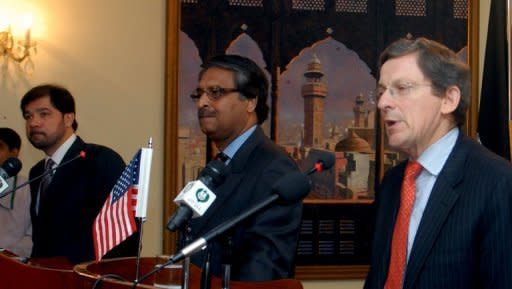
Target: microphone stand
[
  {"x": 227, "y": 261},
  {"x": 186, "y": 273},
  {"x": 46, "y": 172},
  {"x": 206, "y": 282},
  {"x": 185, "y": 237},
  {"x": 295, "y": 193}
]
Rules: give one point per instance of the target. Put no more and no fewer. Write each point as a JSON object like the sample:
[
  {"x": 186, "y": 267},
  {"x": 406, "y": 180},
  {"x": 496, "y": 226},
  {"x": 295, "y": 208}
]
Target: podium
[
  {"x": 47, "y": 274},
  {"x": 58, "y": 273},
  {"x": 89, "y": 272}
]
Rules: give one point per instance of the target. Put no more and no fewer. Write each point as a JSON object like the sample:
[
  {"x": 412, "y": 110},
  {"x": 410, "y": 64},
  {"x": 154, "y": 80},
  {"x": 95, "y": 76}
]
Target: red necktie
[{"x": 401, "y": 230}]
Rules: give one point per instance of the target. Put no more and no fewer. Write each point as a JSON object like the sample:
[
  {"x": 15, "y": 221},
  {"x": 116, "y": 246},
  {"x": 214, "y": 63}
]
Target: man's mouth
[
  {"x": 390, "y": 122},
  {"x": 202, "y": 113},
  {"x": 36, "y": 133}
]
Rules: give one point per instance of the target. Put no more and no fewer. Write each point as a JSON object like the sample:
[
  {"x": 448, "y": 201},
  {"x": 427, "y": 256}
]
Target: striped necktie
[{"x": 46, "y": 180}]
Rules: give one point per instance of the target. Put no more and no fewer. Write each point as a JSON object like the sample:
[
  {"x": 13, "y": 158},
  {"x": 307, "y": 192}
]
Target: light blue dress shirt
[
  {"x": 432, "y": 160},
  {"x": 233, "y": 147}
]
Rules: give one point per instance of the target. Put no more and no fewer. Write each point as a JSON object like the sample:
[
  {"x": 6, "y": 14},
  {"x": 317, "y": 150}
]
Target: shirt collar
[
  {"x": 434, "y": 158},
  {"x": 62, "y": 150},
  {"x": 233, "y": 147}
]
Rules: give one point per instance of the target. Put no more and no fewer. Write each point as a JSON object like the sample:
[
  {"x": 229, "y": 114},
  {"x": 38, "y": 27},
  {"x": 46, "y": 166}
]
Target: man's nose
[
  {"x": 203, "y": 100},
  {"x": 384, "y": 100}
]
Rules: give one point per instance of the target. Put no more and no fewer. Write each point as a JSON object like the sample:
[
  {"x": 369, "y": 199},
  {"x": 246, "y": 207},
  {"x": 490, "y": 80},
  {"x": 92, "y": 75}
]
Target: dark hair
[
  {"x": 438, "y": 63},
  {"x": 249, "y": 79},
  {"x": 10, "y": 138},
  {"x": 60, "y": 98}
]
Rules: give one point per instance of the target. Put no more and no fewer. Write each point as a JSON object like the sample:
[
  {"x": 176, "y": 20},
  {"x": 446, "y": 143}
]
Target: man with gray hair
[{"x": 444, "y": 215}]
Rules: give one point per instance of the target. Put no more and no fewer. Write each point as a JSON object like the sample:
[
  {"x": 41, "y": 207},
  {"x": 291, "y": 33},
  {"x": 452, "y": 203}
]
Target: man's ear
[
  {"x": 251, "y": 104},
  {"x": 451, "y": 100},
  {"x": 69, "y": 118},
  {"x": 14, "y": 152}
]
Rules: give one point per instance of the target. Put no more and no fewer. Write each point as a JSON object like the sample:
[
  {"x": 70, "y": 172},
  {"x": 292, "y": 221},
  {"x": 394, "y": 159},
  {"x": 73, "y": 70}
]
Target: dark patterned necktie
[
  {"x": 45, "y": 181},
  {"x": 222, "y": 157}
]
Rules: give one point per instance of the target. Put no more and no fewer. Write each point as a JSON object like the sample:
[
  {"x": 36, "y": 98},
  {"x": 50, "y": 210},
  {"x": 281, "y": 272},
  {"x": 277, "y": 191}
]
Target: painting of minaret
[{"x": 314, "y": 91}]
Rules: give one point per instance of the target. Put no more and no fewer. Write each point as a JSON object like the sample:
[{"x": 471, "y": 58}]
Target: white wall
[{"x": 110, "y": 54}]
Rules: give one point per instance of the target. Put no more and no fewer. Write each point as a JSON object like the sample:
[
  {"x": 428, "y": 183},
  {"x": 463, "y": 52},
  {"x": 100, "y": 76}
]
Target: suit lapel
[
  {"x": 443, "y": 197},
  {"x": 61, "y": 175},
  {"x": 389, "y": 201}
]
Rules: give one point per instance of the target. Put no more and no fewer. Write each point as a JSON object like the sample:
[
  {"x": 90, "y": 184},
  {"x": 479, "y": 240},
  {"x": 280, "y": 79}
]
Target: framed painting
[{"x": 321, "y": 59}]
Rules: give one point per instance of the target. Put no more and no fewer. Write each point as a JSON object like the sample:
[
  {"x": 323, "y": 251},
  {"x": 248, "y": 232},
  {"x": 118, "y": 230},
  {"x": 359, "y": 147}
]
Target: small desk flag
[{"x": 116, "y": 220}]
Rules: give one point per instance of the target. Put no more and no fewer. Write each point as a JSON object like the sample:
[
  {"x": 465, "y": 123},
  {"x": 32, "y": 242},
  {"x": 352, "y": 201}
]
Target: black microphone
[
  {"x": 196, "y": 197},
  {"x": 325, "y": 161},
  {"x": 82, "y": 155},
  {"x": 10, "y": 167},
  {"x": 289, "y": 189}
]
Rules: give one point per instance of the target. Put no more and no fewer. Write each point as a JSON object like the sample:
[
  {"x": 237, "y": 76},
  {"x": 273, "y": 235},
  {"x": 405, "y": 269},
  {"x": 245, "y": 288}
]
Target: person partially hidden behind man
[
  {"x": 231, "y": 105},
  {"x": 444, "y": 217},
  {"x": 66, "y": 201},
  {"x": 15, "y": 225}
]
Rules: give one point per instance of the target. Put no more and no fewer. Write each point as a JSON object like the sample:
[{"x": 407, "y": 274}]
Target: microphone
[
  {"x": 196, "y": 197},
  {"x": 10, "y": 167},
  {"x": 82, "y": 155},
  {"x": 325, "y": 161},
  {"x": 291, "y": 188}
]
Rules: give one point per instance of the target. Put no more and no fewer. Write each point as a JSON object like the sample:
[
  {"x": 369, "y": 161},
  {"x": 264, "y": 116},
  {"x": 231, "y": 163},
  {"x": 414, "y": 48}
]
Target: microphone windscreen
[
  {"x": 214, "y": 170},
  {"x": 292, "y": 187},
  {"x": 12, "y": 166},
  {"x": 327, "y": 160}
]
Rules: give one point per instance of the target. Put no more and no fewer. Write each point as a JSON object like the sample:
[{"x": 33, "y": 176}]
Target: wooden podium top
[
  {"x": 16, "y": 274},
  {"x": 125, "y": 267},
  {"x": 56, "y": 273}
]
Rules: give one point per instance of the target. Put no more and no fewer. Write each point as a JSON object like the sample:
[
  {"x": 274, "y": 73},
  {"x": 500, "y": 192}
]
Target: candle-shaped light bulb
[{"x": 28, "y": 26}]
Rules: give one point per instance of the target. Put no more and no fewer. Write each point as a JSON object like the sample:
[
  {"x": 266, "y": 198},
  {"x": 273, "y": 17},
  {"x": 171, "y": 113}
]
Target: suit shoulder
[
  {"x": 272, "y": 151},
  {"x": 96, "y": 149},
  {"x": 486, "y": 161},
  {"x": 103, "y": 155}
]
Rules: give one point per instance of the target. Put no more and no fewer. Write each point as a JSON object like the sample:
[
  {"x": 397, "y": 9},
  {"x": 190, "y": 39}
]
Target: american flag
[{"x": 116, "y": 220}]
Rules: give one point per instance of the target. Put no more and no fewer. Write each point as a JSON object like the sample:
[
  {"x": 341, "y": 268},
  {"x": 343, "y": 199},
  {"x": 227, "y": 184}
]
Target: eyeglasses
[
  {"x": 398, "y": 88},
  {"x": 213, "y": 93}
]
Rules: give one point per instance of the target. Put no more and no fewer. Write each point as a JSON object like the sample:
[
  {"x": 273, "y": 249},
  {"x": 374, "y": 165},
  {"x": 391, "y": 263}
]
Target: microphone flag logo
[{"x": 202, "y": 195}]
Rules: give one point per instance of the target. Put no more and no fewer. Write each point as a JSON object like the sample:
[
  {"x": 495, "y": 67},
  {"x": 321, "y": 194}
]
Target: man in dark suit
[
  {"x": 66, "y": 201},
  {"x": 457, "y": 232},
  {"x": 231, "y": 104}
]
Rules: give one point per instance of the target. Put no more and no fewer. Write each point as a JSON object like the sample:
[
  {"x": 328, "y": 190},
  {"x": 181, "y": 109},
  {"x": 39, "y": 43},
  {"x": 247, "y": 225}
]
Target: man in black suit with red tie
[
  {"x": 231, "y": 105},
  {"x": 449, "y": 225},
  {"x": 66, "y": 201}
]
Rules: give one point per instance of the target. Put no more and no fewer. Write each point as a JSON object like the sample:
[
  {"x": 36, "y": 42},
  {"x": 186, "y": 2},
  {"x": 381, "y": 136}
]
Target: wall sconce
[{"x": 17, "y": 50}]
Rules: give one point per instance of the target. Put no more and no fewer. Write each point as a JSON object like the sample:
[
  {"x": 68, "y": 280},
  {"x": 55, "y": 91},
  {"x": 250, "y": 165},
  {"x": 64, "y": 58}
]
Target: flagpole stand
[{"x": 140, "y": 222}]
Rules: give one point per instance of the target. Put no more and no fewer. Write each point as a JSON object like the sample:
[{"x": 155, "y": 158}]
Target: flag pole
[
  {"x": 142, "y": 197},
  {"x": 141, "y": 226}
]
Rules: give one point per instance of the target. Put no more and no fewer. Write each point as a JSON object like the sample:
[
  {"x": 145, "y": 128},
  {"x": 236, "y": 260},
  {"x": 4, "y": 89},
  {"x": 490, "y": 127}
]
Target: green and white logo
[{"x": 202, "y": 195}]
